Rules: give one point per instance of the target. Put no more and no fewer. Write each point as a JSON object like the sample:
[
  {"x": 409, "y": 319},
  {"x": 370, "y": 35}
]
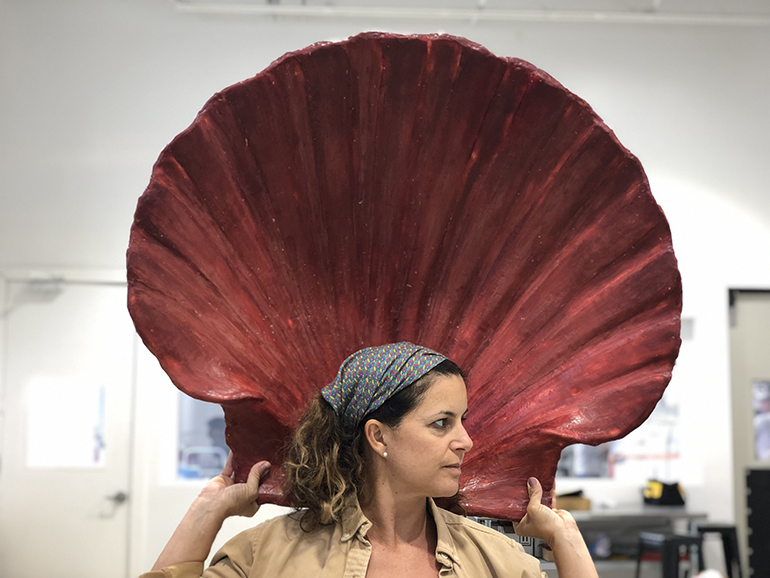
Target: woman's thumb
[
  {"x": 259, "y": 472},
  {"x": 535, "y": 490}
]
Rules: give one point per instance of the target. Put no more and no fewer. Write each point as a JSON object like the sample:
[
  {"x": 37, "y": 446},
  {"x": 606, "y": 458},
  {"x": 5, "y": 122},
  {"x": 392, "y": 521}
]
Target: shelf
[{"x": 630, "y": 514}]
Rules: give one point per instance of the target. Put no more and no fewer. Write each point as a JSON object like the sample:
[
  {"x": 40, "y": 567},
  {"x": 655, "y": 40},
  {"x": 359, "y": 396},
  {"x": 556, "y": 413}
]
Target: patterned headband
[{"x": 369, "y": 377}]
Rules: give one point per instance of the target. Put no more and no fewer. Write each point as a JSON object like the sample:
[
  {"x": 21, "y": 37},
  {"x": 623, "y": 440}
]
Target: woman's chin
[{"x": 446, "y": 490}]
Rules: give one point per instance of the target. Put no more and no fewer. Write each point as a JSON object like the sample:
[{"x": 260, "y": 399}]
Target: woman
[{"x": 367, "y": 459}]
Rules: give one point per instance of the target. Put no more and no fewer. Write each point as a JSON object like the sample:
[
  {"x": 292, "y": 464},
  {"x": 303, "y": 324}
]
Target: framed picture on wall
[{"x": 761, "y": 399}]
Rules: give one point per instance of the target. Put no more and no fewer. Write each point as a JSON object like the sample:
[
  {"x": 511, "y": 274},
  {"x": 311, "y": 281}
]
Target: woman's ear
[{"x": 375, "y": 436}]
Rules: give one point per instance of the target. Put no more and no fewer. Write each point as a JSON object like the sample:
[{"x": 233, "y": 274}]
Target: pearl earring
[{"x": 384, "y": 454}]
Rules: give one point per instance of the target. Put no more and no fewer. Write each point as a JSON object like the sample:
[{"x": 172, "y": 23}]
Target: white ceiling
[
  {"x": 663, "y": 7},
  {"x": 92, "y": 90}
]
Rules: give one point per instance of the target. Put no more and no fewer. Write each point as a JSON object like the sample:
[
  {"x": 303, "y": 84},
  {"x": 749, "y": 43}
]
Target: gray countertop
[{"x": 629, "y": 513}]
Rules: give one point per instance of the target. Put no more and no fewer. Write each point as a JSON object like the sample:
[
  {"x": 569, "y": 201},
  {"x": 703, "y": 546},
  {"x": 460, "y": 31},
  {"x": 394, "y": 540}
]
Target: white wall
[
  {"x": 91, "y": 90},
  {"x": 3, "y": 330}
]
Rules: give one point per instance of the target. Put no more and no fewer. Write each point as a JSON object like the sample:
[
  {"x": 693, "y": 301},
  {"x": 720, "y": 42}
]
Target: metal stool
[
  {"x": 729, "y": 543},
  {"x": 668, "y": 545}
]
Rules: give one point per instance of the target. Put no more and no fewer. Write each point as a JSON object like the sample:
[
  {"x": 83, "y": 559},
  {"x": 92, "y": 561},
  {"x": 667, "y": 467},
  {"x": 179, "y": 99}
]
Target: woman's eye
[{"x": 441, "y": 423}]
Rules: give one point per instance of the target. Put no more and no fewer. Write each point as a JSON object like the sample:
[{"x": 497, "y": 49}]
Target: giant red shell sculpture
[{"x": 409, "y": 188}]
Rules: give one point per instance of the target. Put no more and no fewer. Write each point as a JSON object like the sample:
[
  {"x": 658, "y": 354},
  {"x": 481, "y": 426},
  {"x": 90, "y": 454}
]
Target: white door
[
  {"x": 67, "y": 406},
  {"x": 750, "y": 376}
]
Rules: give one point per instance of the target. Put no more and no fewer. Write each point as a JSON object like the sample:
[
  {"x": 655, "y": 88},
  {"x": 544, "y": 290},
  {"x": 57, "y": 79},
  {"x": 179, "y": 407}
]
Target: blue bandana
[{"x": 369, "y": 377}]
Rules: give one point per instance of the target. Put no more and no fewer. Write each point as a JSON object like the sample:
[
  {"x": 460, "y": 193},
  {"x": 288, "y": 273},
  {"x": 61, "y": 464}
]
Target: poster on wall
[{"x": 761, "y": 400}]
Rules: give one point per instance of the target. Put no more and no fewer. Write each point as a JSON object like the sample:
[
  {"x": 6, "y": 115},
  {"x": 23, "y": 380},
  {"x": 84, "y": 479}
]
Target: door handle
[
  {"x": 118, "y": 497},
  {"x": 109, "y": 511}
]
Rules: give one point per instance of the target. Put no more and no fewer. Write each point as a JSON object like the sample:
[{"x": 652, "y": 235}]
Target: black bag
[{"x": 662, "y": 494}]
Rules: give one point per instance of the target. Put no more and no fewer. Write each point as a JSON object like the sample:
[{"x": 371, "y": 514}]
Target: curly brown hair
[{"x": 325, "y": 463}]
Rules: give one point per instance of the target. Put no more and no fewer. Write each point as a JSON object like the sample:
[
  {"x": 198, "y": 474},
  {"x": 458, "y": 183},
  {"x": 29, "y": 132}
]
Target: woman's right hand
[
  {"x": 221, "y": 498},
  {"x": 225, "y": 496}
]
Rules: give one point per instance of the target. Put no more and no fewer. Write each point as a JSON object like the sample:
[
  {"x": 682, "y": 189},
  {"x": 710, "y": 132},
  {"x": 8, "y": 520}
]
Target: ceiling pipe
[{"x": 471, "y": 14}]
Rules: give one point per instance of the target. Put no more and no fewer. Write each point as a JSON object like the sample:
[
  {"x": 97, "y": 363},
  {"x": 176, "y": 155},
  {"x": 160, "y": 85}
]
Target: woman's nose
[{"x": 464, "y": 441}]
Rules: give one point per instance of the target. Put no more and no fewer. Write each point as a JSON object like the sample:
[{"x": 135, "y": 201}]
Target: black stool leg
[
  {"x": 701, "y": 563},
  {"x": 730, "y": 545},
  {"x": 639, "y": 560},
  {"x": 691, "y": 557},
  {"x": 727, "y": 547},
  {"x": 669, "y": 558}
]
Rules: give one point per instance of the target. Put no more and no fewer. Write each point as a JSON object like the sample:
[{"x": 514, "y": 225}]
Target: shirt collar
[
  {"x": 446, "y": 553},
  {"x": 356, "y": 524}
]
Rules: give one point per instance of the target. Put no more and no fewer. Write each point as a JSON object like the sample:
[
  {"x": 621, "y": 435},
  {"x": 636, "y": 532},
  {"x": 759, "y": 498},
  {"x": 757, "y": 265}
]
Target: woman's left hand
[
  {"x": 559, "y": 529},
  {"x": 540, "y": 521}
]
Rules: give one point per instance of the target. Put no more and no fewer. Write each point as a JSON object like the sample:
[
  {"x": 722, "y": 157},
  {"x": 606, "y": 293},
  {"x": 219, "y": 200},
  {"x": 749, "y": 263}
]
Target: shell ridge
[
  {"x": 413, "y": 238},
  {"x": 357, "y": 191},
  {"x": 243, "y": 320},
  {"x": 243, "y": 323},
  {"x": 431, "y": 252},
  {"x": 370, "y": 275},
  {"x": 543, "y": 76},
  {"x": 371, "y": 279},
  {"x": 241, "y": 267},
  {"x": 623, "y": 337},
  {"x": 602, "y": 431},
  {"x": 444, "y": 252},
  {"x": 491, "y": 256},
  {"x": 295, "y": 117},
  {"x": 166, "y": 244},
  {"x": 627, "y": 326},
  {"x": 324, "y": 264},
  {"x": 532, "y": 200},
  {"x": 300, "y": 116},
  {"x": 492, "y": 266},
  {"x": 172, "y": 367},
  {"x": 565, "y": 244},
  {"x": 403, "y": 64},
  {"x": 439, "y": 56},
  {"x": 572, "y": 309},
  {"x": 256, "y": 293}
]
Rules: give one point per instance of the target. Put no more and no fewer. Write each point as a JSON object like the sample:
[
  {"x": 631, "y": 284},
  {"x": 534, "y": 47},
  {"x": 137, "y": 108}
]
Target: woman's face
[{"x": 426, "y": 449}]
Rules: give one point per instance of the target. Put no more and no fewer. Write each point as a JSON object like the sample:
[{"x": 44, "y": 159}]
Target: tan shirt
[{"x": 279, "y": 548}]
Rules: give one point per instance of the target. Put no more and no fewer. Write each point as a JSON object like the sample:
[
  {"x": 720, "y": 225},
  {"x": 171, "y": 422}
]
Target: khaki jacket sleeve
[
  {"x": 533, "y": 569},
  {"x": 183, "y": 570},
  {"x": 234, "y": 560}
]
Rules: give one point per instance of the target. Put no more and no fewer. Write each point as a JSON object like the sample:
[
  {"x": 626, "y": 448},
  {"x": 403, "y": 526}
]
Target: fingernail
[
  {"x": 532, "y": 482},
  {"x": 264, "y": 467}
]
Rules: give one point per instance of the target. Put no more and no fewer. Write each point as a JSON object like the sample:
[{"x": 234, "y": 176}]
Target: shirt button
[{"x": 345, "y": 536}]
